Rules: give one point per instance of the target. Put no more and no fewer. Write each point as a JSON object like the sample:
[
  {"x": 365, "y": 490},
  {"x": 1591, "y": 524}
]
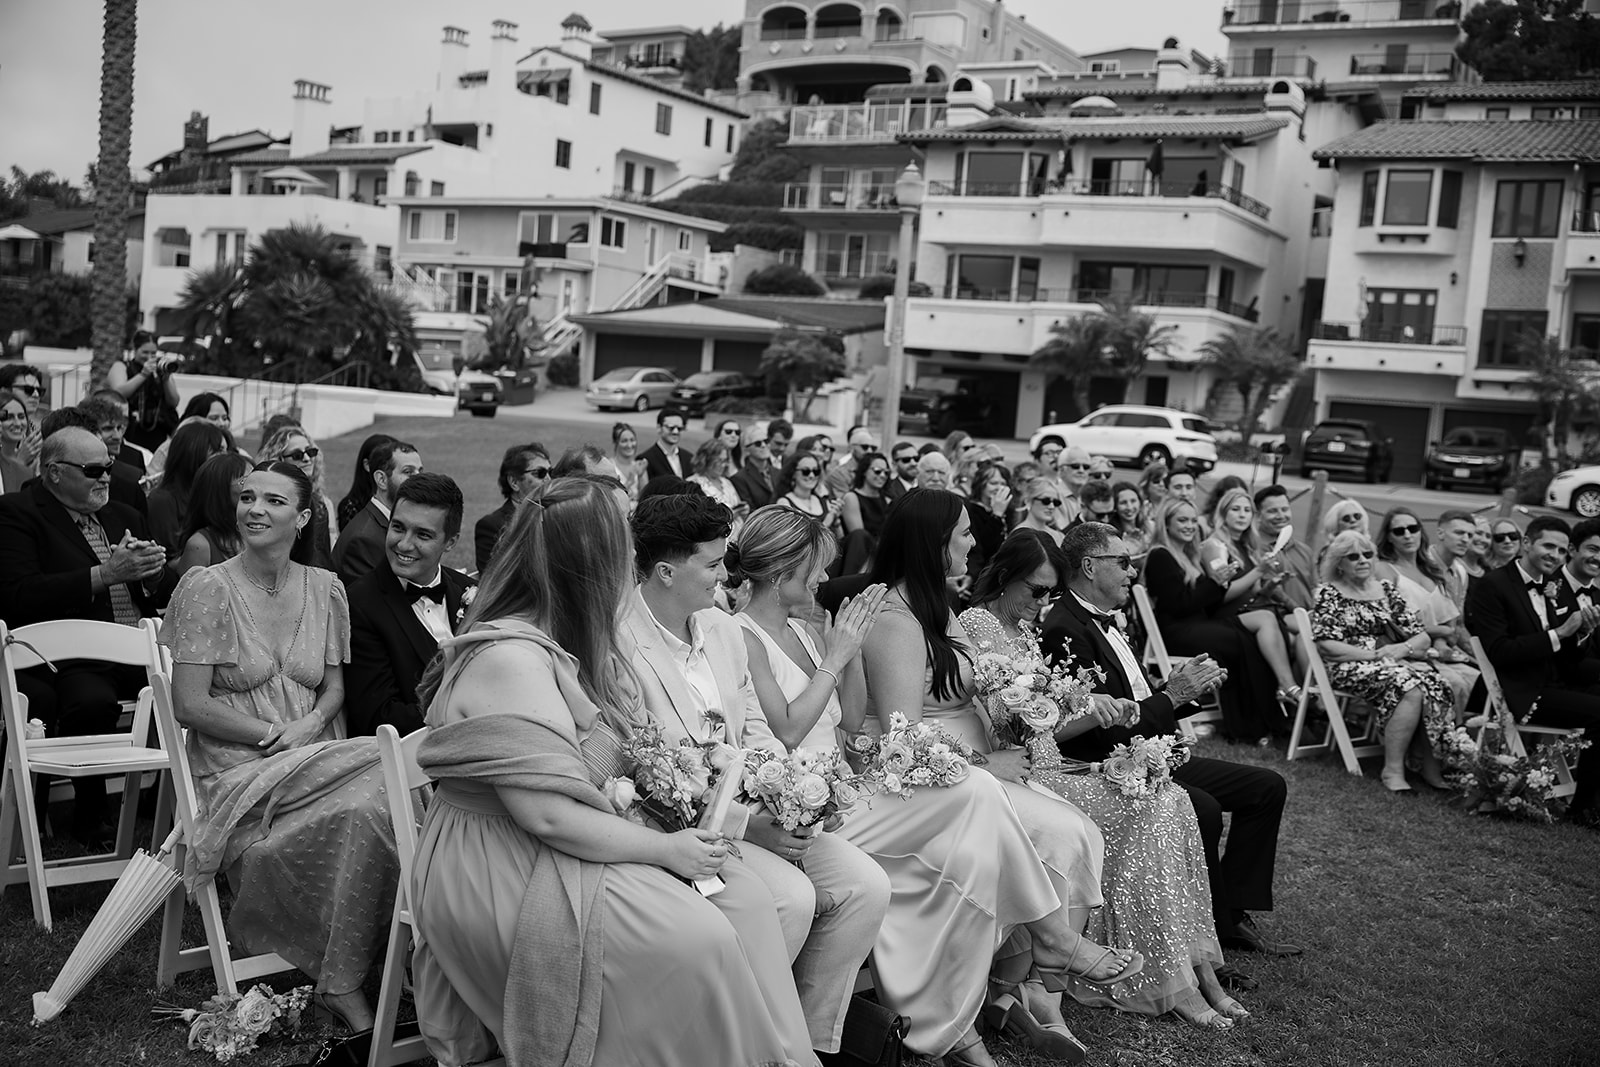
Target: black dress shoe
[
  {"x": 1247, "y": 937},
  {"x": 1234, "y": 980}
]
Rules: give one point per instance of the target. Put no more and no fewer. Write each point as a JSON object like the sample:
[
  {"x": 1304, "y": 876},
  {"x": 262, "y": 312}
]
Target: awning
[
  {"x": 292, "y": 176},
  {"x": 526, "y": 78},
  {"x": 17, "y": 232}
]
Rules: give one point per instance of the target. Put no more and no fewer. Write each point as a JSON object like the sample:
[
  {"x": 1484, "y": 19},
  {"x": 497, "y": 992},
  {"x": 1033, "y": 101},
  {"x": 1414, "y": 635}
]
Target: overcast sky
[{"x": 237, "y": 61}]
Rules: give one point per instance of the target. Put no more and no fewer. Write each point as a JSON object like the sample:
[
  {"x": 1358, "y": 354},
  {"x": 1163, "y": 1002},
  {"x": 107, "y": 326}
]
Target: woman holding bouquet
[
  {"x": 543, "y": 918},
  {"x": 1157, "y": 894}
]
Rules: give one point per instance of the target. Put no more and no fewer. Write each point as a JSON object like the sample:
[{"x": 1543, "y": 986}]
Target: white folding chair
[
  {"x": 401, "y": 775},
  {"x": 173, "y": 958},
  {"x": 1336, "y": 703},
  {"x": 1163, "y": 664},
  {"x": 1521, "y": 737},
  {"x": 123, "y": 753}
]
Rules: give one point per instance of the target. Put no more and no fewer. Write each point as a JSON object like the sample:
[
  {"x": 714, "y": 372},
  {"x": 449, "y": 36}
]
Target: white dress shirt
[
  {"x": 1138, "y": 685},
  {"x": 675, "y": 461},
  {"x": 435, "y": 618},
  {"x": 1541, "y": 607},
  {"x": 691, "y": 658}
]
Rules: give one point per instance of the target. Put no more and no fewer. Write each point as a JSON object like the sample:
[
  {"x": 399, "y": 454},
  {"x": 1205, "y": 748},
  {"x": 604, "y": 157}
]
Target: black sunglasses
[
  {"x": 1048, "y": 501},
  {"x": 1077, "y": 466},
  {"x": 1104, "y": 476},
  {"x": 300, "y": 455},
  {"x": 1404, "y": 531},
  {"x": 537, "y": 472},
  {"x": 672, "y": 427},
  {"x": 1125, "y": 562},
  {"x": 813, "y": 471},
  {"x": 92, "y": 471},
  {"x": 1503, "y": 537},
  {"x": 1039, "y": 592},
  {"x": 1354, "y": 556},
  {"x": 30, "y": 390}
]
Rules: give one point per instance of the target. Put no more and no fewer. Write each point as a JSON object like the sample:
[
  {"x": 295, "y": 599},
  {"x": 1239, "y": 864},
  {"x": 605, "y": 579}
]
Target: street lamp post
[{"x": 908, "y": 191}]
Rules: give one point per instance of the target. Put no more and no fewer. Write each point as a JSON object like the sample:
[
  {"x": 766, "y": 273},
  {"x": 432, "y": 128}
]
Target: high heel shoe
[
  {"x": 1395, "y": 783},
  {"x": 1055, "y": 978},
  {"x": 971, "y": 1054},
  {"x": 1233, "y": 1009},
  {"x": 324, "y": 1005},
  {"x": 1202, "y": 1017},
  {"x": 1009, "y": 1014}
]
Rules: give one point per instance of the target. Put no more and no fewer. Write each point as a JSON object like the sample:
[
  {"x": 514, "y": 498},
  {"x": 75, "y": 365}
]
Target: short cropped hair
[
  {"x": 429, "y": 490},
  {"x": 1267, "y": 492},
  {"x": 1584, "y": 530},
  {"x": 1542, "y": 524},
  {"x": 667, "y": 528},
  {"x": 63, "y": 418},
  {"x": 1080, "y": 542}
]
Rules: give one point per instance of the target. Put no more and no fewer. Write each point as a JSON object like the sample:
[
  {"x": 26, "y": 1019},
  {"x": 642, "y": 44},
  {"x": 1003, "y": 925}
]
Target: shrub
[
  {"x": 1531, "y": 484},
  {"x": 762, "y": 407},
  {"x": 562, "y": 369},
  {"x": 780, "y": 279},
  {"x": 881, "y": 285}
]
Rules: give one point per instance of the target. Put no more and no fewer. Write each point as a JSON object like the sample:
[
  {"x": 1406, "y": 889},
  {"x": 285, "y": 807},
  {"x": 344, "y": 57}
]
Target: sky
[{"x": 237, "y": 61}]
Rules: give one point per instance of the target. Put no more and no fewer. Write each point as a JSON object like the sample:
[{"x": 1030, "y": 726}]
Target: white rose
[{"x": 812, "y": 791}]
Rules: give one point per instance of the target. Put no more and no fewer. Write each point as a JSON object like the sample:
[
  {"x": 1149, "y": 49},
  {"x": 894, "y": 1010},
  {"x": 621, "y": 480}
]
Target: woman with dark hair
[
  {"x": 992, "y": 863},
  {"x": 1153, "y": 484},
  {"x": 361, "y": 484},
  {"x": 211, "y": 407},
  {"x": 168, "y": 505},
  {"x": 863, "y": 507},
  {"x": 144, "y": 378},
  {"x": 297, "y": 817},
  {"x": 523, "y": 470},
  {"x": 16, "y": 430},
  {"x": 1156, "y": 890},
  {"x": 730, "y": 433},
  {"x": 211, "y": 533},
  {"x": 989, "y": 508},
  {"x": 800, "y": 487},
  {"x": 1128, "y": 517},
  {"x": 1406, "y": 558},
  {"x": 529, "y": 708}
]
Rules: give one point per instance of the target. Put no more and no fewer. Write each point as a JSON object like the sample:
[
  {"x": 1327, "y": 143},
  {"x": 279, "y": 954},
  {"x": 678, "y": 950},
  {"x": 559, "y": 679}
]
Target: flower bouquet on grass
[
  {"x": 228, "y": 1026},
  {"x": 913, "y": 754},
  {"x": 803, "y": 788},
  {"x": 1493, "y": 779},
  {"x": 1025, "y": 696},
  {"x": 1140, "y": 768}
]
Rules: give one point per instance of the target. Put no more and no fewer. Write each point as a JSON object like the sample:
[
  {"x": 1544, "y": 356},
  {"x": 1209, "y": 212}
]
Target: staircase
[
  {"x": 561, "y": 334},
  {"x": 419, "y": 290}
]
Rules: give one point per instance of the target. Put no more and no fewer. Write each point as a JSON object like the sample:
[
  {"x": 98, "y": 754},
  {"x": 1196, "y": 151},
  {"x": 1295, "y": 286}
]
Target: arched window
[
  {"x": 784, "y": 24},
  {"x": 933, "y": 74},
  {"x": 838, "y": 20},
  {"x": 889, "y": 27}
]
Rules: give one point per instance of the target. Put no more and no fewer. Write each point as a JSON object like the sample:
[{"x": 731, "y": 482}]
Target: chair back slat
[{"x": 401, "y": 775}]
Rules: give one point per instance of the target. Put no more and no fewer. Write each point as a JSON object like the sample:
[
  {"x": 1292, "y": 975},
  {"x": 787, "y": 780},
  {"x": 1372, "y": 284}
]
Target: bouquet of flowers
[
  {"x": 806, "y": 787},
  {"x": 228, "y": 1026},
  {"x": 1141, "y": 767},
  {"x": 1024, "y": 695},
  {"x": 914, "y": 754},
  {"x": 670, "y": 785},
  {"x": 1492, "y": 778}
]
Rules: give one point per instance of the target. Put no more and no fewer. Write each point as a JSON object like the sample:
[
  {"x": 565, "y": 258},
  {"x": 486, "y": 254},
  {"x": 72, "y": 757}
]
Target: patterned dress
[
  {"x": 1382, "y": 683},
  {"x": 1157, "y": 891},
  {"x": 304, "y": 835}
]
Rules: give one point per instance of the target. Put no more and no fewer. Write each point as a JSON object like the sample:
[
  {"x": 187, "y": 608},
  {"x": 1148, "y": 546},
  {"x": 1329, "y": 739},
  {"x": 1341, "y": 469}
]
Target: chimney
[
  {"x": 308, "y": 134},
  {"x": 575, "y": 30},
  {"x": 452, "y": 57},
  {"x": 1172, "y": 66},
  {"x": 502, "y": 53},
  {"x": 195, "y": 136}
]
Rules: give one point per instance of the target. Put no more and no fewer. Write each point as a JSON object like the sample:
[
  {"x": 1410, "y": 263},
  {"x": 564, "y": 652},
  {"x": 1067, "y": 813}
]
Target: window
[
  {"x": 230, "y": 246},
  {"x": 728, "y": 147},
  {"x": 1551, "y": 113},
  {"x": 1399, "y": 315},
  {"x": 1449, "y": 199},
  {"x": 380, "y": 186},
  {"x": 1003, "y": 173},
  {"x": 436, "y": 188},
  {"x": 472, "y": 291},
  {"x": 709, "y": 131},
  {"x": 413, "y": 183},
  {"x": 648, "y": 186},
  {"x": 172, "y": 247},
  {"x": 613, "y": 233},
  {"x": 434, "y": 226},
  {"x": 1502, "y": 331},
  {"x": 411, "y": 135},
  {"x": 381, "y": 137},
  {"x": 1369, "y": 197},
  {"x": 383, "y": 260},
  {"x": 994, "y": 277},
  {"x": 1105, "y": 66},
  {"x": 1589, "y": 112},
  {"x": 853, "y": 255},
  {"x": 594, "y": 98},
  {"x": 1526, "y": 209},
  {"x": 664, "y": 119},
  {"x": 685, "y": 240},
  {"x": 1586, "y": 335},
  {"x": 543, "y": 229},
  {"x": 564, "y": 154},
  {"x": 1405, "y": 203},
  {"x": 629, "y": 170},
  {"x": 1173, "y": 286},
  {"x": 1496, "y": 113}
]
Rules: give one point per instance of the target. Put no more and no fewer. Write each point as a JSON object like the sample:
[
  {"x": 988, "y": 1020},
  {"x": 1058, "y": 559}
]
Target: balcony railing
[
  {"x": 1414, "y": 63},
  {"x": 191, "y": 174},
  {"x": 1248, "y": 65},
  {"x": 1390, "y": 334},
  {"x": 852, "y": 265},
  {"x": 1300, "y": 12},
  {"x": 647, "y": 61},
  {"x": 834, "y": 196},
  {"x": 1147, "y": 188},
  {"x": 848, "y": 29},
  {"x": 783, "y": 33},
  {"x": 1586, "y": 221},
  {"x": 864, "y": 122},
  {"x": 1171, "y": 298}
]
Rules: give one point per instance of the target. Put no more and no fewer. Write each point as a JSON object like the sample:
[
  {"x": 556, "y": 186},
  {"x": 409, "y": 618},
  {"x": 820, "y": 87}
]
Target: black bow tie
[
  {"x": 1105, "y": 622},
  {"x": 414, "y": 592},
  {"x": 1532, "y": 583}
]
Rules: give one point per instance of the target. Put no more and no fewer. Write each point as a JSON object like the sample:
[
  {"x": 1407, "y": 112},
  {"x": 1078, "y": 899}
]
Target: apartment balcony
[
  {"x": 1363, "y": 346},
  {"x": 1377, "y": 240},
  {"x": 1249, "y": 65},
  {"x": 652, "y": 63},
  {"x": 863, "y": 123},
  {"x": 1403, "y": 63},
  {"x": 1156, "y": 298},
  {"x": 840, "y": 197},
  {"x": 1583, "y": 242},
  {"x": 1335, "y": 15},
  {"x": 1211, "y": 219},
  {"x": 840, "y": 266},
  {"x": 1023, "y": 327}
]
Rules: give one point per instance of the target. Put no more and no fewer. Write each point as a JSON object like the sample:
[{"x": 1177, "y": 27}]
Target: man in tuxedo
[
  {"x": 691, "y": 661},
  {"x": 68, "y": 552},
  {"x": 360, "y": 546},
  {"x": 1099, "y": 576},
  {"x": 1534, "y": 629},
  {"x": 1582, "y": 574},
  {"x": 665, "y": 457},
  {"x": 523, "y": 469},
  {"x": 402, "y": 608}
]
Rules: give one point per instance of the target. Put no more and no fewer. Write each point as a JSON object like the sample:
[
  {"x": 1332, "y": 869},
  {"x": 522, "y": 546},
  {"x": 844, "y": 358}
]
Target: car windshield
[
  {"x": 1196, "y": 425},
  {"x": 621, "y": 374},
  {"x": 1476, "y": 437},
  {"x": 438, "y": 359},
  {"x": 702, "y": 380},
  {"x": 1340, "y": 429}
]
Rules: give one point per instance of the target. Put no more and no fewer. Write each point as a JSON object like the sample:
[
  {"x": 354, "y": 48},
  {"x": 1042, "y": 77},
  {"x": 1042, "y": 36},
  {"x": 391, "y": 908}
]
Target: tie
[
  {"x": 1532, "y": 583},
  {"x": 434, "y": 592},
  {"x": 123, "y": 609},
  {"x": 1105, "y": 622}
]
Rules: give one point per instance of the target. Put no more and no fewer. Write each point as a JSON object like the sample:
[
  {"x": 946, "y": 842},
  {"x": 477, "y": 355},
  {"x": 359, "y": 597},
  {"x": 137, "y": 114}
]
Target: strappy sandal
[
  {"x": 1009, "y": 1014},
  {"x": 1208, "y": 1018},
  {"x": 972, "y": 1054},
  {"x": 1055, "y": 979},
  {"x": 1233, "y": 1009}
]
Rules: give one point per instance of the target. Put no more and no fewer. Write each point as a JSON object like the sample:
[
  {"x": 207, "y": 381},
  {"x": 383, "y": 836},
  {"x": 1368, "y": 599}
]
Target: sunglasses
[
  {"x": 300, "y": 455},
  {"x": 827, "y": 448},
  {"x": 14, "y": 416},
  {"x": 1355, "y": 556},
  {"x": 1100, "y": 476},
  {"x": 1404, "y": 531},
  {"x": 905, "y": 459},
  {"x": 92, "y": 471},
  {"x": 28, "y": 390},
  {"x": 1504, "y": 537},
  {"x": 731, "y": 430},
  {"x": 668, "y": 427},
  {"x": 1125, "y": 562},
  {"x": 1077, "y": 466},
  {"x": 537, "y": 472},
  {"x": 1039, "y": 592},
  {"x": 968, "y": 447},
  {"x": 1048, "y": 501},
  {"x": 807, "y": 472},
  {"x": 757, "y": 444}
]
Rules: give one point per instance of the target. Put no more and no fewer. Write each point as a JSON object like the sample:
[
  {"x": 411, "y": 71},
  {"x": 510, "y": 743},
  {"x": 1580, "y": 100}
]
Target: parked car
[
  {"x": 696, "y": 391},
  {"x": 1133, "y": 434},
  {"x": 1472, "y": 455},
  {"x": 474, "y": 390},
  {"x": 1347, "y": 446},
  {"x": 940, "y": 406},
  {"x": 1577, "y": 491},
  {"x": 638, "y": 388}
]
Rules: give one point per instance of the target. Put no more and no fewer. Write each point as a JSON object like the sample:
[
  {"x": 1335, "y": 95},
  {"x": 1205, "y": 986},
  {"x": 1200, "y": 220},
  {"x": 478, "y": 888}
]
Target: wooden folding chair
[
  {"x": 1521, "y": 737},
  {"x": 123, "y": 753},
  {"x": 173, "y": 958},
  {"x": 401, "y": 775},
  {"x": 1336, "y": 703},
  {"x": 1162, "y": 663}
]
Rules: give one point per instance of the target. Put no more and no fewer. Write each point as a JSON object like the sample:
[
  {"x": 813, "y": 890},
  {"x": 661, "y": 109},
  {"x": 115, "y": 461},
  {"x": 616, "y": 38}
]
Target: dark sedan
[
  {"x": 1472, "y": 455},
  {"x": 697, "y": 390},
  {"x": 1348, "y": 446}
]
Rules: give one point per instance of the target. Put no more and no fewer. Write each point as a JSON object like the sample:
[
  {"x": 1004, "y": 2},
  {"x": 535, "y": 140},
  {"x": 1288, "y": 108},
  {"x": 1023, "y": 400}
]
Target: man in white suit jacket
[{"x": 691, "y": 661}]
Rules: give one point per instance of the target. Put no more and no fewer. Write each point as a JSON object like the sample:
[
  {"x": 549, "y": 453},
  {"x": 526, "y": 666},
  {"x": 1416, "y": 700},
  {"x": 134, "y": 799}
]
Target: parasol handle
[
  {"x": 170, "y": 843},
  {"x": 11, "y": 639}
]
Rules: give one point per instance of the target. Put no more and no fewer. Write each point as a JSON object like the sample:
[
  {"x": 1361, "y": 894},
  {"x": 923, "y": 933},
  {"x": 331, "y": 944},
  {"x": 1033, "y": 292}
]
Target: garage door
[
  {"x": 1515, "y": 423},
  {"x": 680, "y": 355},
  {"x": 1407, "y": 426}
]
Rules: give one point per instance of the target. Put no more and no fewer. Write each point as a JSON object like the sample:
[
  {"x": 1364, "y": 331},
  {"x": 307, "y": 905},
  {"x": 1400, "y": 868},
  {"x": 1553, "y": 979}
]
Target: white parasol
[{"x": 144, "y": 885}]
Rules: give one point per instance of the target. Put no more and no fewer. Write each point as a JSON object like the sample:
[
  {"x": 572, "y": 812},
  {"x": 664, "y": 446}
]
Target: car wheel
[
  {"x": 484, "y": 413},
  {"x": 1371, "y": 476},
  {"x": 1586, "y": 501},
  {"x": 642, "y": 404},
  {"x": 1155, "y": 454},
  {"x": 1430, "y": 482}
]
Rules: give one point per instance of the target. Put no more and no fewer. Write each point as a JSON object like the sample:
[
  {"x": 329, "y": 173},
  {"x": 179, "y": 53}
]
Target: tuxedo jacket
[
  {"x": 486, "y": 533},
  {"x": 1500, "y": 615},
  {"x": 45, "y": 560},
  {"x": 390, "y": 649},
  {"x": 666, "y": 690},
  {"x": 1069, "y": 631},
  {"x": 656, "y": 465},
  {"x": 360, "y": 546}
]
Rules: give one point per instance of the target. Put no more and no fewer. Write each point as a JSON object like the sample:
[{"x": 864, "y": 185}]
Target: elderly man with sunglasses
[{"x": 68, "y": 552}]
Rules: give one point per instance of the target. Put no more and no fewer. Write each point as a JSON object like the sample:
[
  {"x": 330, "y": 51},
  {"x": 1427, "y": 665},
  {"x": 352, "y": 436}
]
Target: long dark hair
[
  {"x": 912, "y": 549},
  {"x": 1425, "y": 560},
  {"x": 1017, "y": 557},
  {"x": 213, "y": 504},
  {"x": 189, "y": 449},
  {"x": 304, "y": 550},
  {"x": 199, "y": 406},
  {"x": 361, "y": 484}
]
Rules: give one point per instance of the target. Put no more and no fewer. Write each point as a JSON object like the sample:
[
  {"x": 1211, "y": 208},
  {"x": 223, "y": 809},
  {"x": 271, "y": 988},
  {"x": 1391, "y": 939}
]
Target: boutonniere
[
  {"x": 1121, "y": 621},
  {"x": 1551, "y": 590},
  {"x": 466, "y": 602},
  {"x": 716, "y": 725}
]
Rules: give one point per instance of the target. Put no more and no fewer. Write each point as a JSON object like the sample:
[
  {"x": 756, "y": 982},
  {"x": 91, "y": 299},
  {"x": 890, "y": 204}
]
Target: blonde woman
[
  {"x": 1233, "y": 555},
  {"x": 963, "y": 453},
  {"x": 292, "y": 444},
  {"x": 1044, "y": 497}
]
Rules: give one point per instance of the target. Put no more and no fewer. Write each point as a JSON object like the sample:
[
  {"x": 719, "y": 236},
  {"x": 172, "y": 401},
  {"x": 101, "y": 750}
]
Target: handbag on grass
[
  {"x": 873, "y": 1036},
  {"x": 355, "y": 1050}
]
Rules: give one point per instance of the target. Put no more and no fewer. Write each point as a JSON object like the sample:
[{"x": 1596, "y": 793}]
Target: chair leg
[
  {"x": 216, "y": 938},
  {"x": 129, "y": 814},
  {"x": 33, "y": 855},
  {"x": 394, "y": 972},
  {"x": 170, "y": 955}
]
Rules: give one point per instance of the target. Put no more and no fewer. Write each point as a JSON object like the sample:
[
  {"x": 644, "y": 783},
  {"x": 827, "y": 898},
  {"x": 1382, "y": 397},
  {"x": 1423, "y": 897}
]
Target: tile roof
[
  {"x": 1562, "y": 141},
  {"x": 742, "y": 315},
  {"x": 47, "y": 223},
  {"x": 340, "y": 156},
  {"x": 1244, "y": 127},
  {"x": 846, "y": 316},
  {"x": 638, "y": 79},
  {"x": 1558, "y": 90}
]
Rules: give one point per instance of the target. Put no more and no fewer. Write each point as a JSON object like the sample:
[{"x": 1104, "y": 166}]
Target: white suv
[{"x": 1131, "y": 434}]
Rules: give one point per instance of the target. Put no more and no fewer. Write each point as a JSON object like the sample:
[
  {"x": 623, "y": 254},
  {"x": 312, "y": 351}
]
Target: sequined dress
[{"x": 1157, "y": 892}]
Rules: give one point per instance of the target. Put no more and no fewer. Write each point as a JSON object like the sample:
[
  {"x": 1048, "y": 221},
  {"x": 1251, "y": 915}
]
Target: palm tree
[
  {"x": 207, "y": 301},
  {"x": 1077, "y": 354},
  {"x": 1133, "y": 338},
  {"x": 110, "y": 283},
  {"x": 510, "y": 332},
  {"x": 1565, "y": 385},
  {"x": 1256, "y": 362}
]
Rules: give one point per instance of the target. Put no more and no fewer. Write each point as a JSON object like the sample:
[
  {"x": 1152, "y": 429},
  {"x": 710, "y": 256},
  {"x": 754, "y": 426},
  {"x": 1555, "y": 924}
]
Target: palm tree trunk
[{"x": 110, "y": 282}]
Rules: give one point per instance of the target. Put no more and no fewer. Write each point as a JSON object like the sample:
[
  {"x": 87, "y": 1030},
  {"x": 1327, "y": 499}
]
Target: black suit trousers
[
  {"x": 1575, "y": 708},
  {"x": 1241, "y": 879}
]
